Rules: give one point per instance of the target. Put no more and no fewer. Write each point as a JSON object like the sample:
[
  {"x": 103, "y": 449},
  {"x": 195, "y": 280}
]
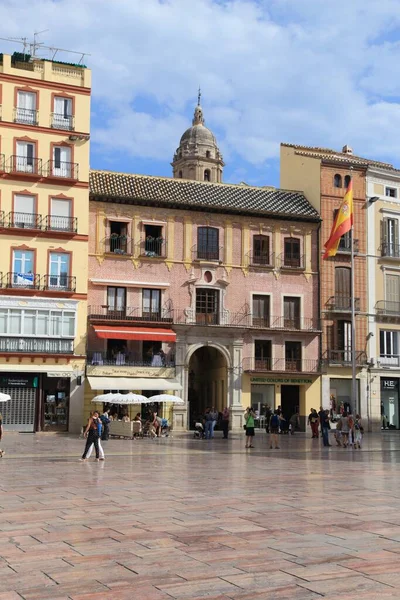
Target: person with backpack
[
  {"x": 92, "y": 436},
  {"x": 274, "y": 424}
]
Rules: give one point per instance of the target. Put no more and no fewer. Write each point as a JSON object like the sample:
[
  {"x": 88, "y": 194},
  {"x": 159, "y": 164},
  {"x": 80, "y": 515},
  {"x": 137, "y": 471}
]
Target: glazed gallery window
[
  {"x": 41, "y": 323},
  {"x": 208, "y": 243}
]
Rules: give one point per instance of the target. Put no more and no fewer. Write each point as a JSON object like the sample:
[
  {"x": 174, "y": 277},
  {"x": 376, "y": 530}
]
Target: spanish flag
[{"x": 342, "y": 223}]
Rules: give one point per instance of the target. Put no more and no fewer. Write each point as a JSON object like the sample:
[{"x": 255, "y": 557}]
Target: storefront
[
  {"x": 390, "y": 402},
  {"x": 39, "y": 401},
  {"x": 340, "y": 399},
  {"x": 292, "y": 393}
]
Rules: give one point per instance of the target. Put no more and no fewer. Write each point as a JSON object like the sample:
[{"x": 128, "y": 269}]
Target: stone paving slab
[{"x": 185, "y": 519}]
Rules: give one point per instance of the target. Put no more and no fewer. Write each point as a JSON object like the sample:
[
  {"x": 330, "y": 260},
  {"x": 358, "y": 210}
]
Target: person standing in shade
[
  {"x": 345, "y": 429},
  {"x": 274, "y": 425},
  {"x": 92, "y": 436},
  {"x": 249, "y": 417},
  {"x": 208, "y": 419},
  {"x": 225, "y": 422},
  {"x": 321, "y": 414},
  {"x": 325, "y": 427}
]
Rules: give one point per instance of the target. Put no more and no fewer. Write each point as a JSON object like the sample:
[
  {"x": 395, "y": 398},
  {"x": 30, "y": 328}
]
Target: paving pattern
[{"x": 185, "y": 519}]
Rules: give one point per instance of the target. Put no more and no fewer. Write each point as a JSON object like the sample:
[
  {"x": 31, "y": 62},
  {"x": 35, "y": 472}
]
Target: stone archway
[{"x": 208, "y": 379}]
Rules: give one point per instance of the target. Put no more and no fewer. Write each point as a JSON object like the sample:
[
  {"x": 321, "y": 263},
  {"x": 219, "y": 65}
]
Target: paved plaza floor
[{"x": 184, "y": 518}]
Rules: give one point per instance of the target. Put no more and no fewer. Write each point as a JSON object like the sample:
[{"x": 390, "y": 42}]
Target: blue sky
[{"x": 302, "y": 71}]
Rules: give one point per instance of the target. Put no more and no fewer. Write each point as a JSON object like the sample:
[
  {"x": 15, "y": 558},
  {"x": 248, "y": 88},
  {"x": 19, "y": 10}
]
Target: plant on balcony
[{"x": 114, "y": 236}]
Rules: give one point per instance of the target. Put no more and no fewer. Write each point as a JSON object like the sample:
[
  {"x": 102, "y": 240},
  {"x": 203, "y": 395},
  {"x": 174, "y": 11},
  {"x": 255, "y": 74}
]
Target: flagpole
[{"x": 354, "y": 391}]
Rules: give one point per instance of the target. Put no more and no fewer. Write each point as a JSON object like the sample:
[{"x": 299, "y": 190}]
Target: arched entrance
[{"x": 207, "y": 381}]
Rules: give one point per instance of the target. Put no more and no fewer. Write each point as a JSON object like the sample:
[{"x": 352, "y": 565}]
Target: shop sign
[
  {"x": 389, "y": 384},
  {"x": 19, "y": 381},
  {"x": 278, "y": 380},
  {"x": 60, "y": 374}
]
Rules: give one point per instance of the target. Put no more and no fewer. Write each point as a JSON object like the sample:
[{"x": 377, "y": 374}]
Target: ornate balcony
[
  {"x": 62, "y": 169},
  {"x": 25, "y": 164},
  {"x": 261, "y": 260},
  {"x": 389, "y": 250},
  {"x": 131, "y": 314},
  {"x": 20, "y": 220},
  {"x": 295, "y": 262},
  {"x": 60, "y": 121},
  {"x": 118, "y": 244},
  {"x": 36, "y": 345},
  {"x": 153, "y": 248},
  {"x": 59, "y": 283},
  {"x": 24, "y": 281},
  {"x": 266, "y": 365},
  {"x": 59, "y": 223},
  {"x": 342, "y": 303},
  {"x": 26, "y": 116},
  {"x": 207, "y": 253},
  {"x": 343, "y": 357}
]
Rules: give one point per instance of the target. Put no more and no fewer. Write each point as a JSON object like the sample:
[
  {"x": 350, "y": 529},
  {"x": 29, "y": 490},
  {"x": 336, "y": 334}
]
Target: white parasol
[
  {"x": 118, "y": 398},
  {"x": 4, "y": 397},
  {"x": 166, "y": 398}
]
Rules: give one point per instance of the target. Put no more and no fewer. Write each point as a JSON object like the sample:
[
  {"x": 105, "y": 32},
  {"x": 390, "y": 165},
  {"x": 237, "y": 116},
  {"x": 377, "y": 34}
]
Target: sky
[{"x": 312, "y": 72}]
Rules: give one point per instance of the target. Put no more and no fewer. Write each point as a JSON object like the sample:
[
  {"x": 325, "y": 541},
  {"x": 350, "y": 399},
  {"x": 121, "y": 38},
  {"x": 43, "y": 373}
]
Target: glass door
[{"x": 59, "y": 270}]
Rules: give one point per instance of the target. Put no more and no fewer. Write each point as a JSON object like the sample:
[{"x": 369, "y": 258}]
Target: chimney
[{"x": 347, "y": 150}]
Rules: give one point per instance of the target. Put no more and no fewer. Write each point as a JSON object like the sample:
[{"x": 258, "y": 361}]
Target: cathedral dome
[{"x": 198, "y": 134}]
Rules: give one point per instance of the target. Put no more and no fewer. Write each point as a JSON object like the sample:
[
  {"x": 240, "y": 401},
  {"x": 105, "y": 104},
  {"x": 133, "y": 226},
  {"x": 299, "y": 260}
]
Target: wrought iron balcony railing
[
  {"x": 59, "y": 223},
  {"x": 25, "y": 164},
  {"x": 153, "y": 248},
  {"x": 62, "y": 169},
  {"x": 21, "y": 220},
  {"x": 59, "y": 283},
  {"x": 2, "y": 163},
  {"x": 343, "y": 357},
  {"x": 387, "y": 308},
  {"x": 288, "y": 365},
  {"x": 390, "y": 250},
  {"x": 389, "y": 360},
  {"x": 211, "y": 253},
  {"x": 118, "y": 244},
  {"x": 61, "y": 121},
  {"x": 342, "y": 303},
  {"x": 291, "y": 261},
  {"x": 36, "y": 345},
  {"x": 126, "y": 359},
  {"x": 26, "y": 116},
  {"x": 23, "y": 280},
  {"x": 129, "y": 313},
  {"x": 266, "y": 260}
]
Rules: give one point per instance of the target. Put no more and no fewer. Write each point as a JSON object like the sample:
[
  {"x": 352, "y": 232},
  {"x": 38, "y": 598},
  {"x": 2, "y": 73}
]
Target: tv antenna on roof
[{"x": 34, "y": 46}]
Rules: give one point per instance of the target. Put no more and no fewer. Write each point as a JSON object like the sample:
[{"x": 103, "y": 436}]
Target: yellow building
[{"x": 44, "y": 174}]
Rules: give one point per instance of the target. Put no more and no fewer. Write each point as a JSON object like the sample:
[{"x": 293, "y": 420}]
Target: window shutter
[{"x": 396, "y": 236}]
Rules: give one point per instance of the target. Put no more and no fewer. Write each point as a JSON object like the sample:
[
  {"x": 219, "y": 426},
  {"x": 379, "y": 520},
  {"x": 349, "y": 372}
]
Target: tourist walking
[
  {"x": 208, "y": 419},
  {"x": 105, "y": 421},
  {"x": 345, "y": 429},
  {"x": 214, "y": 417},
  {"x": 358, "y": 432},
  {"x": 294, "y": 423},
  {"x": 338, "y": 432},
  {"x": 321, "y": 413},
  {"x": 325, "y": 427},
  {"x": 274, "y": 424},
  {"x": 225, "y": 422},
  {"x": 350, "y": 420},
  {"x": 313, "y": 422},
  {"x": 92, "y": 436},
  {"x": 249, "y": 417}
]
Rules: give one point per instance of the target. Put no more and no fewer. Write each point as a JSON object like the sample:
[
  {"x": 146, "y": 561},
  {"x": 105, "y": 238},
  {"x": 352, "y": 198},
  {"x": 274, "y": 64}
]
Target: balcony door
[
  {"x": 62, "y": 161},
  {"x": 116, "y": 302},
  {"x": 61, "y": 215},
  {"x": 291, "y": 312},
  {"x": 151, "y": 307},
  {"x": 293, "y": 356},
  {"x": 25, "y": 159},
  {"x": 207, "y": 306},
  {"x": 344, "y": 340},
  {"x": 62, "y": 116},
  {"x": 389, "y": 347},
  {"x": 262, "y": 355},
  {"x": 260, "y": 311},
  {"x": 343, "y": 288},
  {"x": 26, "y": 108},
  {"x": 392, "y": 285},
  {"x": 291, "y": 256},
  {"x": 24, "y": 211},
  {"x": 208, "y": 243},
  {"x": 23, "y": 265},
  {"x": 59, "y": 270},
  {"x": 261, "y": 250}
]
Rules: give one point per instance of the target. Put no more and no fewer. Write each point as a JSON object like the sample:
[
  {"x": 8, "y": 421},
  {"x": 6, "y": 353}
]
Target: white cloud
[{"x": 271, "y": 71}]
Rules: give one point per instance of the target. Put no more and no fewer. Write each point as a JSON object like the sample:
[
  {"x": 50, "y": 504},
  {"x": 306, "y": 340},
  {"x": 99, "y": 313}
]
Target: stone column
[
  {"x": 235, "y": 386},
  {"x": 180, "y": 411}
]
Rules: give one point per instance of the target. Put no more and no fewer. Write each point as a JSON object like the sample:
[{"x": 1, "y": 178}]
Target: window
[
  {"x": 345, "y": 240},
  {"x": 343, "y": 288},
  {"x": 207, "y": 306},
  {"x": 343, "y": 340},
  {"x": 261, "y": 254},
  {"x": 24, "y": 211},
  {"x": 25, "y": 160},
  {"x": 389, "y": 343},
  {"x": 26, "y": 108},
  {"x": 149, "y": 351},
  {"x": 59, "y": 270},
  {"x": 292, "y": 253},
  {"x": 263, "y": 354},
  {"x": 208, "y": 154},
  {"x": 347, "y": 181},
  {"x": 118, "y": 240},
  {"x": 207, "y": 175},
  {"x": 151, "y": 306},
  {"x": 291, "y": 312},
  {"x": 154, "y": 242},
  {"x": 292, "y": 356},
  {"x": 61, "y": 215},
  {"x": 41, "y": 323},
  {"x": 180, "y": 174},
  {"x": 62, "y": 116},
  {"x": 392, "y": 289},
  {"x": 23, "y": 274},
  {"x": 116, "y": 300},
  {"x": 261, "y": 311},
  {"x": 391, "y": 192},
  {"x": 337, "y": 181},
  {"x": 62, "y": 166},
  {"x": 390, "y": 237},
  {"x": 207, "y": 243}
]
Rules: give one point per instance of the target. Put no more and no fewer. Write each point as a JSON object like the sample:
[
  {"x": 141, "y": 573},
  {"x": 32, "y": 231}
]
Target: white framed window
[
  {"x": 61, "y": 214},
  {"x": 62, "y": 166},
  {"x": 37, "y": 322},
  {"x": 59, "y": 265},
  {"x": 24, "y": 211},
  {"x": 22, "y": 272},
  {"x": 391, "y": 192},
  {"x": 25, "y": 160},
  {"x": 26, "y": 108},
  {"x": 62, "y": 115}
]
